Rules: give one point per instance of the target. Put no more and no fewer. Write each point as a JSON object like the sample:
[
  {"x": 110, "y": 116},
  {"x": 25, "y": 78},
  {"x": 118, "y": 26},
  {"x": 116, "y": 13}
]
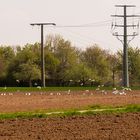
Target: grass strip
[
  {"x": 26, "y": 89},
  {"x": 43, "y": 114},
  {"x": 29, "y": 89}
]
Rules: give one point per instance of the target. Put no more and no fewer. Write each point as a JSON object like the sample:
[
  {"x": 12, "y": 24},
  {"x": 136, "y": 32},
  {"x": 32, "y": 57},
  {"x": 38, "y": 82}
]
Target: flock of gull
[{"x": 99, "y": 90}]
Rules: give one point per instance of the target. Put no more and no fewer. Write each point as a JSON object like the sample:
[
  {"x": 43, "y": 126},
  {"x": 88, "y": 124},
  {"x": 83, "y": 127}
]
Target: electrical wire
[
  {"x": 83, "y": 40},
  {"x": 94, "y": 24}
]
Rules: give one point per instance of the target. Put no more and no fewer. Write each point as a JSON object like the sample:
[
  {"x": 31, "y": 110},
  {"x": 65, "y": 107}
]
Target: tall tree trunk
[
  {"x": 30, "y": 83},
  {"x": 113, "y": 78}
]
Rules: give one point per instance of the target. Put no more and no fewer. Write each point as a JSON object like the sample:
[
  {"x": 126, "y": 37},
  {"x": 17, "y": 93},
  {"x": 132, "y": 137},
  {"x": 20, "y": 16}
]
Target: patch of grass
[
  {"x": 94, "y": 106},
  {"x": 92, "y": 111},
  {"x": 21, "y": 115},
  {"x": 132, "y": 108},
  {"x": 100, "y": 107},
  {"x": 26, "y": 89},
  {"x": 70, "y": 113},
  {"x": 80, "y": 88},
  {"x": 29, "y": 89}
]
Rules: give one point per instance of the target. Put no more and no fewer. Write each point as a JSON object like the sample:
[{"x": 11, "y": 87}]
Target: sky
[{"x": 16, "y": 16}]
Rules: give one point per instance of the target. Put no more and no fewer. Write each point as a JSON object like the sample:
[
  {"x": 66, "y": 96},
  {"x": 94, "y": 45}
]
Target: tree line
[{"x": 66, "y": 65}]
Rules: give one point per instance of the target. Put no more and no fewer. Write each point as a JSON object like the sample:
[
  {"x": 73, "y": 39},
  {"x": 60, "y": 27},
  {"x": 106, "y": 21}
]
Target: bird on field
[
  {"x": 97, "y": 89},
  {"x": 58, "y": 93},
  {"x": 122, "y": 93},
  {"x": 128, "y": 89},
  {"x": 51, "y": 93},
  {"x": 104, "y": 92},
  {"x": 115, "y": 92},
  {"x": 91, "y": 93},
  {"x": 10, "y": 94},
  {"x": 68, "y": 92},
  {"x": 86, "y": 90},
  {"x": 81, "y": 84},
  {"x": 3, "y": 94},
  {"x": 28, "y": 94},
  {"x": 39, "y": 87},
  {"x": 84, "y": 93},
  {"x": 114, "y": 89}
]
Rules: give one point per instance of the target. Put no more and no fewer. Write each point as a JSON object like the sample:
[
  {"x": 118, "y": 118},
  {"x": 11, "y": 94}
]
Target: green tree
[
  {"x": 60, "y": 57},
  {"x": 6, "y": 56},
  {"x": 134, "y": 66},
  {"x": 51, "y": 65},
  {"x": 114, "y": 63},
  {"x": 97, "y": 59},
  {"x": 28, "y": 72},
  {"x": 25, "y": 65},
  {"x": 80, "y": 73},
  {"x": 2, "y": 67}
]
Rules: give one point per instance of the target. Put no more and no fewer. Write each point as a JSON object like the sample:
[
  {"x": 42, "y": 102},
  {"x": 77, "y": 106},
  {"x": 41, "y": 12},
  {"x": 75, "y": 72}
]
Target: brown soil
[
  {"x": 97, "y": 127},
  {"x": 37, "y": 101}
]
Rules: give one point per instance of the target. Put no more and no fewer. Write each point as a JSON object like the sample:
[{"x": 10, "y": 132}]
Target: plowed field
[
  {"x": 61, "y": 100},
  {"x": 96, "y": 127}
]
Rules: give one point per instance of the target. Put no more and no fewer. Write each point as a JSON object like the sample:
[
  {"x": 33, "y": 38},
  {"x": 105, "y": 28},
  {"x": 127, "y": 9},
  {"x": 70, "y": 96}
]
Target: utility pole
[
  {"x": 124, "y": 38},
  {"x": 42, "y": 50}
]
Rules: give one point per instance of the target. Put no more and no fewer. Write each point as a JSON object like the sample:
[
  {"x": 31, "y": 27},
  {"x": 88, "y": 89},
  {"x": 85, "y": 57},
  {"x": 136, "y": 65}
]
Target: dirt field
[
  {"x": 37, "y": 101},
  {"x": 97, "y": 127}
]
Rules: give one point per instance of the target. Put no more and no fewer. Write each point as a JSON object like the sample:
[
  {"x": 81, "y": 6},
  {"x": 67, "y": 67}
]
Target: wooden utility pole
[{"x": 42, "y": 51}]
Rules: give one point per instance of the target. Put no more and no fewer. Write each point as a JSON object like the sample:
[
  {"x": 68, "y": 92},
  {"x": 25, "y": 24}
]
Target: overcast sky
[{"x": 16, "y": 16}]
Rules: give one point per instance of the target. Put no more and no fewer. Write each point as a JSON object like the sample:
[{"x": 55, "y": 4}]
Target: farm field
[
  {"x": 31, "y": 101},
  {"x": 79, "y": 127},
  {"x": 96, "y": 127}
]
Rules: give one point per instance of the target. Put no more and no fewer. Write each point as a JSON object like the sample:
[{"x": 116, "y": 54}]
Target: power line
[
  {"x": 84, "y": 37},
  {"x": 70, "y": 34},
  {"x": 80, "y": 26},
  {"x": 94, "y": 24},
  {"x": 100, "y": 23}
]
